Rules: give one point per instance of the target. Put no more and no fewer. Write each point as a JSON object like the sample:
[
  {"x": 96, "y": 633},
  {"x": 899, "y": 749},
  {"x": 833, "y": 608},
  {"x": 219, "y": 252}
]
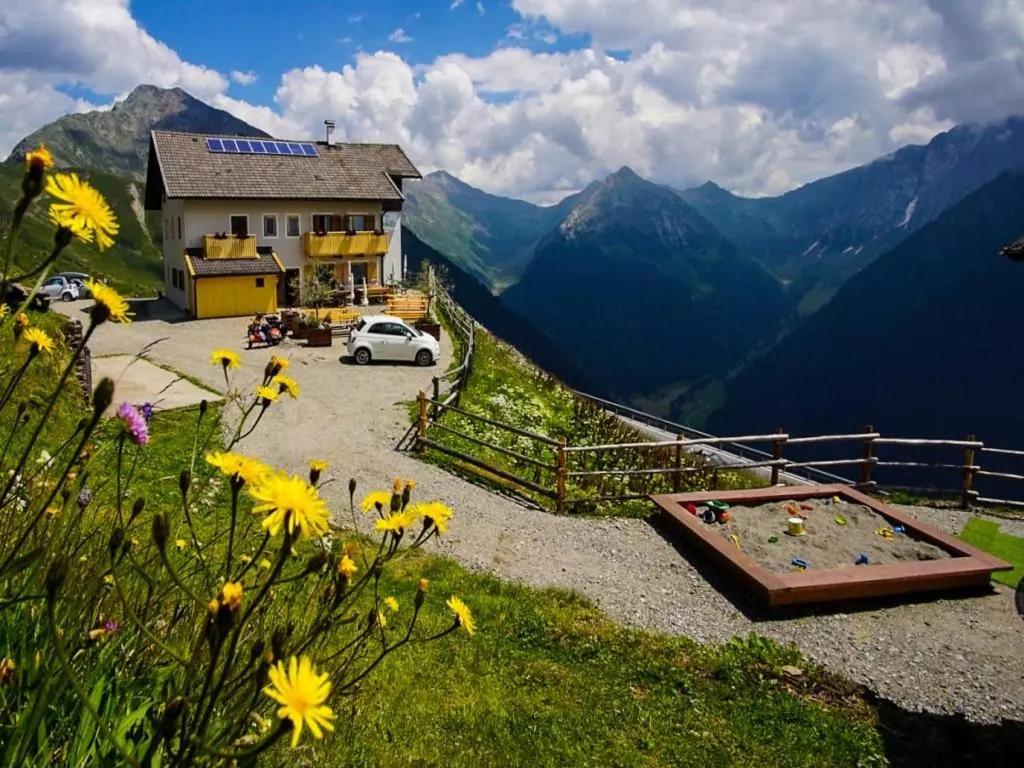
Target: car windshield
[{"x": 360, "y": 325}]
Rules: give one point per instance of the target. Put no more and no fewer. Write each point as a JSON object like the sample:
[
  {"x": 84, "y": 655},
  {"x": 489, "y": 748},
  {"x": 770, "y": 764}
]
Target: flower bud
[
  {"x": 352, "y": 487},
  {"x": 137, "y": 507},
  {"x": 62, "y": 238},
  {"x": 421, "y": 594},
  {"x": 103, "y": 395},
  {"x": 316, "y": 562},
  {"x": 99, "y": 313},
  {"x": 203, "y": 405},
  {"x": 116, "y": 539},
  {"x": 161, "y": 530},
  {"x": 56, "y": 574},
  {"x": 184, "y": 481}
]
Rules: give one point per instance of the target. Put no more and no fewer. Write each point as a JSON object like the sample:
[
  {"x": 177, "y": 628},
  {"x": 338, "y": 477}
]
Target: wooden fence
[{"x": 573, "y": 475}]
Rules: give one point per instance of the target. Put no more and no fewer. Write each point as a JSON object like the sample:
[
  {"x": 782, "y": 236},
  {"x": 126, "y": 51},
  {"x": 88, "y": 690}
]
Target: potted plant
[
  {"x": 429, "y": 324},
  {"x": 319, "y": 335}
]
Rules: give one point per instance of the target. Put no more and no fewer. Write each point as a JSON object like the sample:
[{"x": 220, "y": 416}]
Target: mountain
[
  {"x": 921, "y": 343},
  {"x": 643, "y": 294},
  {"x": 116, "y": 140},
  {"x": 488, "y": 310},
  {"x": 489, "y": 236},
  {"x": 819, "y": 235}
]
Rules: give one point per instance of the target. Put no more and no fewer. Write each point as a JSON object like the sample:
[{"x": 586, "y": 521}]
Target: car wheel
[
  {"x": 362, "y": 356},
  {"x": 424, "y": 358},
  {"x": 66, "y": 296}
]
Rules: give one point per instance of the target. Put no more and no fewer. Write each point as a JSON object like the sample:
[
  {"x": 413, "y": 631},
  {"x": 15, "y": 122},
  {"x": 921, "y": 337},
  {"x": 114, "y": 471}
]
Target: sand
[{"x": 827, "y": 544}]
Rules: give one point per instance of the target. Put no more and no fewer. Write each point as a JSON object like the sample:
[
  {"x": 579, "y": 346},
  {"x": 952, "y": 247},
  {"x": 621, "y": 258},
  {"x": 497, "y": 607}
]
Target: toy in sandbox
[{"x": 798, "y": 545}]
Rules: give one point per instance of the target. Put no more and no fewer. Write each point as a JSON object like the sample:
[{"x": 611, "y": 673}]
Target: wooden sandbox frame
[{"x": 966, "y": 566}]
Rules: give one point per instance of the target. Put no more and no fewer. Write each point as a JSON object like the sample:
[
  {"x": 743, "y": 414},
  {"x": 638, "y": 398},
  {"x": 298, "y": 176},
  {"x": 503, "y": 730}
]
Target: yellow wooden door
[{"x": 236, "y": 296}]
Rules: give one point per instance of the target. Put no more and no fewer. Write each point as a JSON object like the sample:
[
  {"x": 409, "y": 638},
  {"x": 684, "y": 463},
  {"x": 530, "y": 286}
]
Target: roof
[
  {"x": 265, "y": 263},
  {"x": 181, "y": 166}
]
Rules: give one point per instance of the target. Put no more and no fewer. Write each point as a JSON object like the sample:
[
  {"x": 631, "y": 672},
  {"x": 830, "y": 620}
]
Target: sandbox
[{"x": 903, "y": 555}]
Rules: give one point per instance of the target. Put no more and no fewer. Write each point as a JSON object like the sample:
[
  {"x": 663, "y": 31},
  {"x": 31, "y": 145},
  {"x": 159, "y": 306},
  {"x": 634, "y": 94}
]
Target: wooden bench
[
  {"x": 378, "y": 293},
  {"x": 409, "y": 308}
]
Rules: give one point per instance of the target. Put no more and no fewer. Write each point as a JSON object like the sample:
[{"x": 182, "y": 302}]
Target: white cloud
[
  {"x": 400, "y": 36},
  {"x": 455, "y": 4},
  {"x": 244, "y": 78},
  {"x": 480, "y": 8}
]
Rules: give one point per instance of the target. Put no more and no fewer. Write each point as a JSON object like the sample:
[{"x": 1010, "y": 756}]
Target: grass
[
  {"x": 986, "y": 536},
  {"x": 507, "y": 387}
]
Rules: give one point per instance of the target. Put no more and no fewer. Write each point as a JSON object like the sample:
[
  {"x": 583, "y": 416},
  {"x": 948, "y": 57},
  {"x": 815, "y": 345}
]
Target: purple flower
[
  {"x": 134, "y": 423},
  {"x": 147, "y": 412}
]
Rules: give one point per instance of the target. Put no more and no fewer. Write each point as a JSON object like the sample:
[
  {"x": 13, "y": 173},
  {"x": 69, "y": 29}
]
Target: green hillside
[{"x": 132, "y": 265}]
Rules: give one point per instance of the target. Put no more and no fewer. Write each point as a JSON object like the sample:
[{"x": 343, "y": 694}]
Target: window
[
  {"x": 179, "y": 227},
  {"x": 239, "y": 224},
  {"x": 259, "y": 282},
  {"x": 327, "y": 222},
  {"x": 361, "y": 222},
  {"x": 270, "y": 225},
  {"x": 291, "y": 225},
  {"x": 388, "y": 329}
]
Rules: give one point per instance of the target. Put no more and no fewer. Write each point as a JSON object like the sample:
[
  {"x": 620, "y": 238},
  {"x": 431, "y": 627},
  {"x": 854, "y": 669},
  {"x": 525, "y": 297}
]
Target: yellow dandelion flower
[
  {"x": 39, "y": 157},
  {"x": 391, "y": 603},
  {"x": 245, "y": 559},
  {"x": 39, "y": 340},
  {"x": 463, "y": 616},
  {"x": 439, "y": 514},
  {"x": 286, "y": 385},
  {"x": 301, "y": 692},
  {"x": 281, "y": 363},
  {"x": 347, "y": 566},
  {"x": 231, "y": 595},
  {"x": 21, "y": 319},
  {"x": 290, "y": 498},
  {"x": 382, "y": 619},
  {"x": 397, "y": 522},
  {"x": 108, "y": 579},
  {"x": 237, "y": 465},
  {"x": 181, "y": 544},
  {"x": 264, "y": 564},
  {"x": 4, "y": 310},
  {"x": 213, "y": 606},
  {"x": 397, "y": 485},
  {"x": 109, "y": 302},
  {"x": 225, "y": 358},
  {"x": 318, "y": 465},
  {"x": 84, "y": 211},
  {"x": 410, "y": 485},
  {"x": 267, "y": 394},
  {"x": 374, "y": 499},
  {"x": 423, "y": 585}
]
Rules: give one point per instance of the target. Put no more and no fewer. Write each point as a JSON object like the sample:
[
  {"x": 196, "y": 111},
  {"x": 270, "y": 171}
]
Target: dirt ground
[{"x": 826, "y": 543}]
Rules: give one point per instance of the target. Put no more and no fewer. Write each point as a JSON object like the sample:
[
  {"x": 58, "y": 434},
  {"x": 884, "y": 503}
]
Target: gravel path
[{"x": 945, "y": 655}]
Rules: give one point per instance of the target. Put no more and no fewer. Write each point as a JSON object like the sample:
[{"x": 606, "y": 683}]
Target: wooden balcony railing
[
  {"x": 332, "y": 244},
  {"x": 230, "y": 247}
]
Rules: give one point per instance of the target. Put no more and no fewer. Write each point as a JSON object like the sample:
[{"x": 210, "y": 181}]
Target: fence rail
[{"x": 578, "y": 474}]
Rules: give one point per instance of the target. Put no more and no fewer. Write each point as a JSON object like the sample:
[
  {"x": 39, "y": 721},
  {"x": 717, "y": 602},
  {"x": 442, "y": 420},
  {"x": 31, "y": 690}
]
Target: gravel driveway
[{"x": 945, "y": 655}]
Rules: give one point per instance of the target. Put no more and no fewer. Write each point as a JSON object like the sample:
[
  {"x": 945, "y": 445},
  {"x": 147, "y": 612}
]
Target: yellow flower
[
  {"x": 84, "y": 211},
  {"x": 463, "y": 616},
  {"x": 289, "y": 498},
  {"x": 281, "y": 363},
  {"x": 245, "y": 559},
  {"x": 231, "y": 595},
  {"x": 382, "y": 619},
  {"x": 180, "y": 544},
  {"x": 264, "y": 564},
  {"x": 39, "y": 339},
  {"x": 347, "y": 566},
  {"x": 4, "y": 310},
  {"x": 244, "y": 468},
  {"x": 213, "y": 606},
  {"x": 286, "y": 384},
  {"x": 21, "y": 319},
  {"x": 391, "y": 603},
  {"x": 108, "y": 299},
  {"x": 7, "y": 667},
  {"x": 301, "y": 692},
  {"x": 318, "y": 465},
  {"x": 39, "y": 157},
  {"x": 396, "y": 522},
  {"x": 398, "y": 485},
  {"x": 267, "y": 394},
  {"x": 374, "y": 499},
  {"x": 410, "y": 485},
  {"x": 225, "y": 358},
  {"x": 423, "y": 585},
  {"x": 439, "y": 514}
]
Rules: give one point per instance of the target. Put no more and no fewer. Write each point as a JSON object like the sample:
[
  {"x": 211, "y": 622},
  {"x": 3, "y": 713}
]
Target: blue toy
[
  {"x": 862, "y": 559},
  {"x": 899, "y": 529},
  {"x": 799, "y": 562}
]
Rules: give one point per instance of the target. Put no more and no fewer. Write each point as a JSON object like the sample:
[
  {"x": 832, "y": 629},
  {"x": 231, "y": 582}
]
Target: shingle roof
[
  {"x": 265, "y": 263},
  {"x": 181, "y": 166}
]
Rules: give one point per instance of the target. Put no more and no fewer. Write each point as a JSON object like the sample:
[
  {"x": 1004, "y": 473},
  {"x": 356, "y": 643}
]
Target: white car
[
  {"x": 383, "y": 337},
  {"x": 60, "y": 288}
]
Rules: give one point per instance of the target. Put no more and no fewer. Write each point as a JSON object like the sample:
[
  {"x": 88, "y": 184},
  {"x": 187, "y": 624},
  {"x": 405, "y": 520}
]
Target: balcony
[
  {"x": 230, "y": 247},
  {"x": 334, "y": 244}
]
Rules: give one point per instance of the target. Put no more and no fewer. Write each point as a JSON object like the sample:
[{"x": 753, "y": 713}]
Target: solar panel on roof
[{"x": 258, "y": 147}]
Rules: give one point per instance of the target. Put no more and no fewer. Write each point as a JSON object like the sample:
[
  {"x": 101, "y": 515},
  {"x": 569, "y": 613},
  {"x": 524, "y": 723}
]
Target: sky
[{"x": 536, "y": 98}]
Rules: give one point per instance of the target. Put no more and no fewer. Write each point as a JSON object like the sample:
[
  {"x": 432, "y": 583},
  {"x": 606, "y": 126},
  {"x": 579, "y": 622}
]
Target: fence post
[
  {"x": 776, "y": 455},
  {"x": 869, "y": 450},
  {"x": 560, "y": 477},
  {"x": 423, "y": 422},
  {"x": 968, "y": 483},
  {"x": 437, "y": 398},
  {"x": 676, "y": 476}
]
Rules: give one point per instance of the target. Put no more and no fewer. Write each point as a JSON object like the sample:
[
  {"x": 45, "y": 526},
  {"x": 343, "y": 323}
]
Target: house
[{"x": 244, "y": 219}]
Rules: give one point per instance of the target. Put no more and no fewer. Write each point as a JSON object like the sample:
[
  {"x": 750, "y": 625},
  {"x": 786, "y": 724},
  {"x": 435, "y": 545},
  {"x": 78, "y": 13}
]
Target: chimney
[{"x": 330, "y": 129}]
